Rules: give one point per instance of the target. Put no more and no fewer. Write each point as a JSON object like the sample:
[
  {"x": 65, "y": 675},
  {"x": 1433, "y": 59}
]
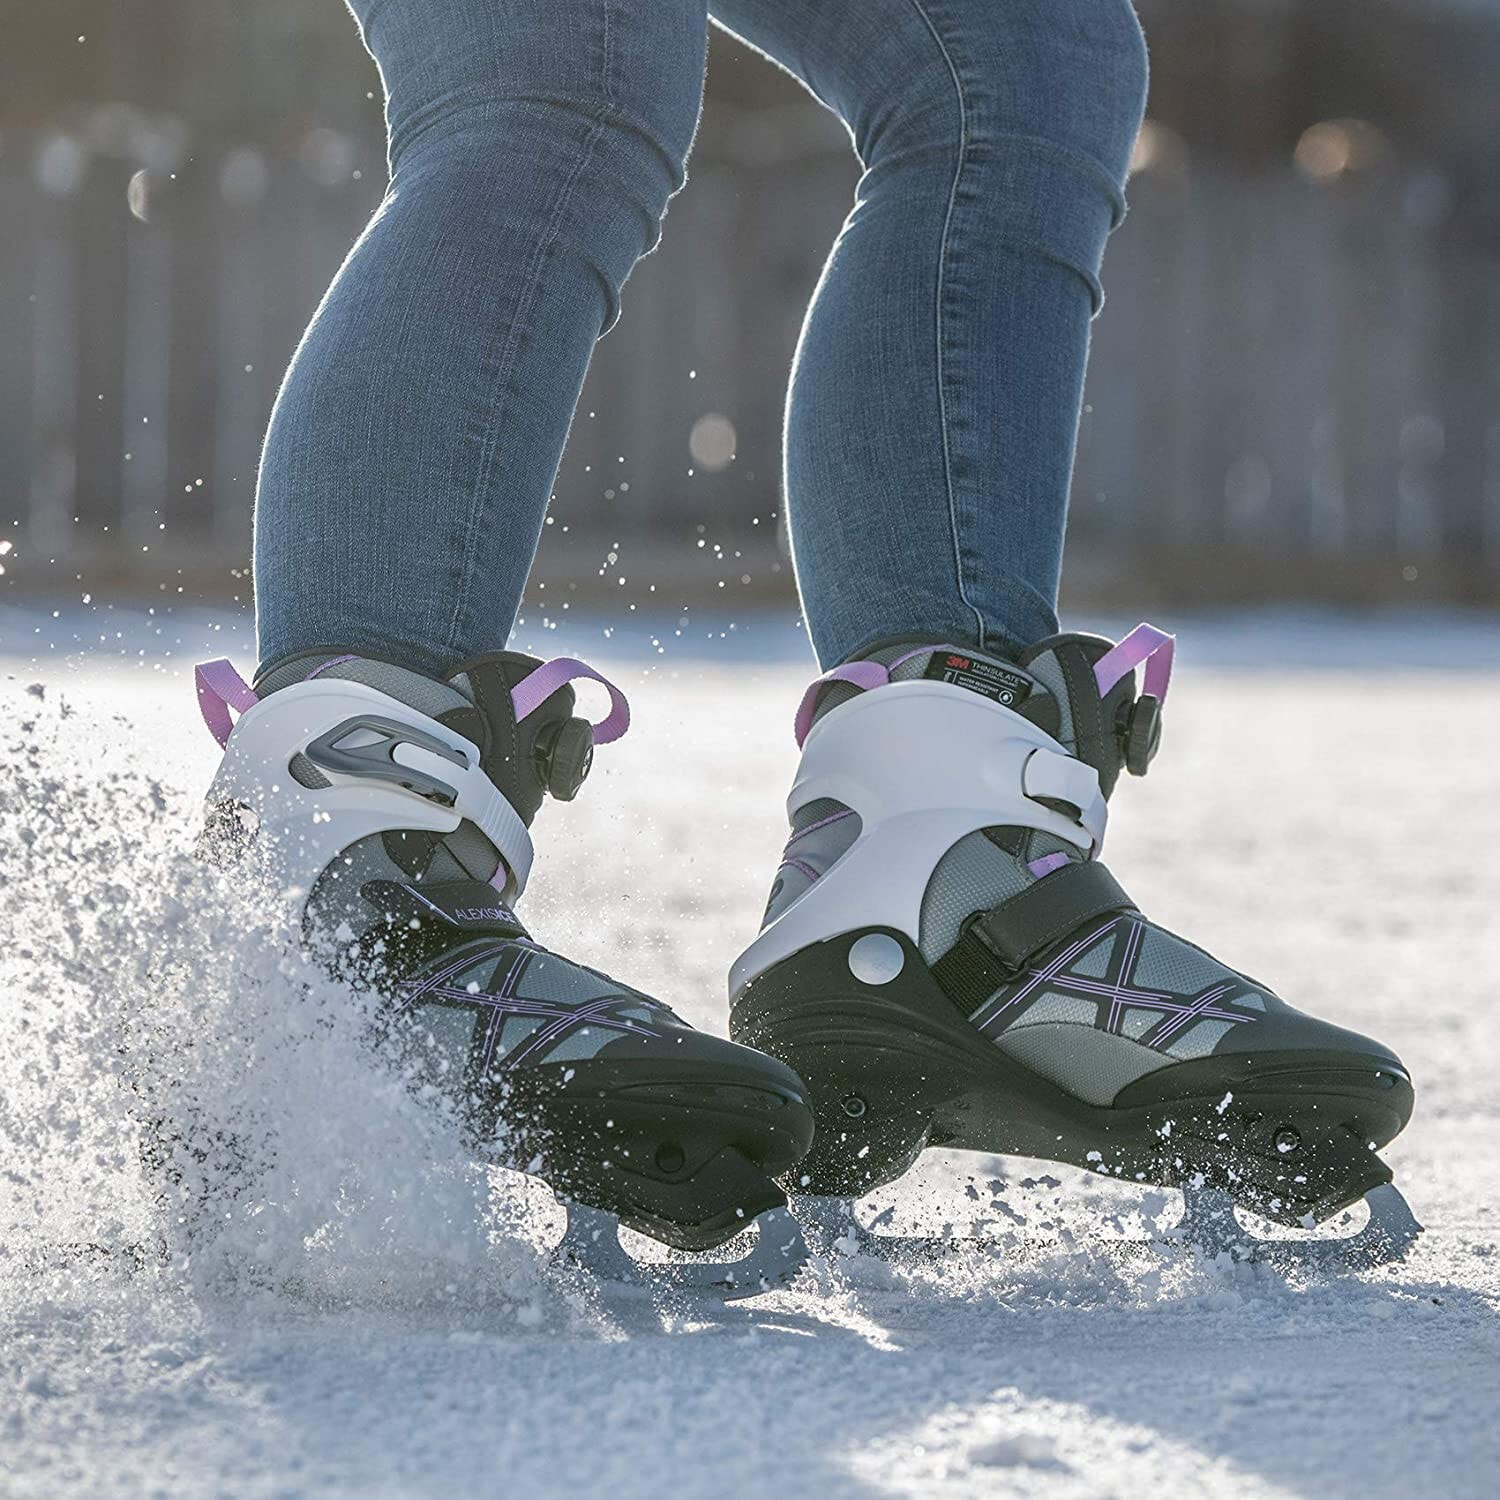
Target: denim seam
[
  {"x": 535, "y": 281},
  {"x": 958, "y": 172}
]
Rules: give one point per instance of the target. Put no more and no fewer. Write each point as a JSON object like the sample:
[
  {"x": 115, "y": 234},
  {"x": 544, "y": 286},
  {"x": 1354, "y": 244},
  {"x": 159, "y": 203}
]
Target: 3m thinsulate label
[{"x": 997, "y": 683}]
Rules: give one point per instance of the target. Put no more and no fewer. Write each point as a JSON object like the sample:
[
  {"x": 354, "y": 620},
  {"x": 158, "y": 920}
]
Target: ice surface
[{"x": 351, "y": 1309}]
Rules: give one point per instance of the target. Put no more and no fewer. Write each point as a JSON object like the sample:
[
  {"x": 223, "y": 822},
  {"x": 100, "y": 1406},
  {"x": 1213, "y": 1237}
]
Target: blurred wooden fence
[{"x": 1284, "y": 369}]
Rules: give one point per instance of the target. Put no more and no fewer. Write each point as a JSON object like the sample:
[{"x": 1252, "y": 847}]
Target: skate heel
[
  {"x": 698, "y": 1211},
  {"x": 883, "y": 1056},
  {"x": 866, "y": 1134},
  {"x": 688, "y": 1160}
]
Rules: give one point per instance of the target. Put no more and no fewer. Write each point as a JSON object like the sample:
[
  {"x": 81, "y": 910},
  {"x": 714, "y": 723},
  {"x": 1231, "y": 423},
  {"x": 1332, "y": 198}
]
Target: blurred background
[{"x": 1295, "y": 386}]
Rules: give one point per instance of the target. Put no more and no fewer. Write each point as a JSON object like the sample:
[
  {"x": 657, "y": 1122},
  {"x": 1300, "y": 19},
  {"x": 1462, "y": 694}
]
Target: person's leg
[
  {"x": 534, "y": 145},
  {"x": 934, "y": 402},
  {"x": 945, "y": 959},
  {"x": 388, "y": 764}
]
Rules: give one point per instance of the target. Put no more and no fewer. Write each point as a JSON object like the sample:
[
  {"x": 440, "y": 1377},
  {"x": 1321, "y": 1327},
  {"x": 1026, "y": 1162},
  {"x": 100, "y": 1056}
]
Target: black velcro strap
[
  {"x": 996, "y": 945},
  {"x": 1018, "y": 929},
  {"x": 968, "y": 973}
]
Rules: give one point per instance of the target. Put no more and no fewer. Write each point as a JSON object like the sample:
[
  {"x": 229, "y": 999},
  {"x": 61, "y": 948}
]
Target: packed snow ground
[{"x": 374, "y": 1319}]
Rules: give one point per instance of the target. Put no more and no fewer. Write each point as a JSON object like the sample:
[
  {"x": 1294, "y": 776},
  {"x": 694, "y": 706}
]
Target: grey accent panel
[
  {"x": 1095, "y": 962},
  {"x": 479, "y": 974},
  {"x": 1167, "y": 963},
  {"x": 1092, "y": 1065},
  {"x": 513, "y": 1031},
  {"x": 1051, "y": 1006},
  {"x": 549, "y": 977},
  {"x": 789, "y": 884},
  {"x": 1199, "y": 1039},
  {"x": 815, "y": 811},
  {"x": 972, "y": 876},
  {"x": 1251, "y": 1001},
  {"x": 823, "y": 847},
  {"x": 837, "y": 693},
  {"x": 1137, "y": 1021},
  {"x": 580, "y": 1045},
  {"x": 819, "y": 849}
]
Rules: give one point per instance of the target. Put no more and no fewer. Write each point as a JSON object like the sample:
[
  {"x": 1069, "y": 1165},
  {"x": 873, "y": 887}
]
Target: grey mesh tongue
[{"x": 463, "y": 855}]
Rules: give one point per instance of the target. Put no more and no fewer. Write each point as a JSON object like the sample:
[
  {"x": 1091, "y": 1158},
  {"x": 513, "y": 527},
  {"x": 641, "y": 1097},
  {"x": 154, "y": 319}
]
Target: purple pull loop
[
  {"x": 221, "y": 688},
  {"x": 863, "y": 674},
  {"x": 1145, "y": 644},
  {"x": 533, "y": 690}
]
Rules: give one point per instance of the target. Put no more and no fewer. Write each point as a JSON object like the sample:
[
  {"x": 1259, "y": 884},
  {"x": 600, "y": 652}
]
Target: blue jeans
[{"x": 534, "y": 144}]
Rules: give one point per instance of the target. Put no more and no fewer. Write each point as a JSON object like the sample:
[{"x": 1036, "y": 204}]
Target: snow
[{"x": 373, "y": 1317}]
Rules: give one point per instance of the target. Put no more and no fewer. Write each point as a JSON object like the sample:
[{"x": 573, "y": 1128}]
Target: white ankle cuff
[
  {"x": 923, "y": 764},
  {"x": 306, "y": 828}
]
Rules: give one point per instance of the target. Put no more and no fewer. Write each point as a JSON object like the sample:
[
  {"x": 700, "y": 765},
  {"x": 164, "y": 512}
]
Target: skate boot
[
  {"x": 945, "y": 962},
  {"x": 396, "y": 807}
]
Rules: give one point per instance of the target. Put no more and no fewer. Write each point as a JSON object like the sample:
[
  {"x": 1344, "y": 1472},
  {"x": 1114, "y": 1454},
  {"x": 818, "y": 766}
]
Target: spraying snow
[{"x": 326, "y": 1296}]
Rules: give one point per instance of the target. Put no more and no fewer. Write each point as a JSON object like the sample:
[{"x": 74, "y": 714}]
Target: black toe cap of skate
[
  {"x": 1366, "y": 1092},
  {"x": 684, "y": 1148},
  {"x": 1284, "y": 1029},
  {"x": 1292, "y": 1134}
]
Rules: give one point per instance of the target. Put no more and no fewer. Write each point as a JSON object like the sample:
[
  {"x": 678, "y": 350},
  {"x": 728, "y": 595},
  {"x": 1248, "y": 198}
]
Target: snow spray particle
[{"x": 183, "y": 1095}]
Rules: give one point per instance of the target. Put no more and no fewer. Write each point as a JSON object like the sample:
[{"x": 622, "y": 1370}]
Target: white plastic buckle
[
  {"x": 1059, "y": 777},
  {"x": 306, "y": 828}
]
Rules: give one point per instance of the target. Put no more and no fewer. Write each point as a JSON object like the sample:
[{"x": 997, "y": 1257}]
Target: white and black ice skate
[
  {"x": 945, "y": 962},
  {"x": 398, "y": 807}
]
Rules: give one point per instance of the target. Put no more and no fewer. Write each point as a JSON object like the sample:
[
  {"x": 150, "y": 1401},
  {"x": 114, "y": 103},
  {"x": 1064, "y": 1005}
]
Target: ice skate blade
[
  {"x": 1208, "y": 1228},
  {"x": 591, "y": 1243}
]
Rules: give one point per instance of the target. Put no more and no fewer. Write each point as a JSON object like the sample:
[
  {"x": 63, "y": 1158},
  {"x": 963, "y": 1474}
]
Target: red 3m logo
[{"x": 959, "y": 661}]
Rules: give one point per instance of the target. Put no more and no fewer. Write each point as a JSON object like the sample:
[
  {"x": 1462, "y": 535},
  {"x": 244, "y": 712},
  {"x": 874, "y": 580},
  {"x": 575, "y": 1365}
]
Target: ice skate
[
  {"x": 396, "y": 807},
  {"x": 946, "y": 962}
]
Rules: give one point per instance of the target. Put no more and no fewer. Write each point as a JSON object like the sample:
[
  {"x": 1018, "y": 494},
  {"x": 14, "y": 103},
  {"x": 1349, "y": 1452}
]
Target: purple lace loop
[
  {"x": 221, "y": 688},
  {"x": 1145, "y": 644},
  {"x": 863, "y": 674},
  {"x": 533, "y": 690}
]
